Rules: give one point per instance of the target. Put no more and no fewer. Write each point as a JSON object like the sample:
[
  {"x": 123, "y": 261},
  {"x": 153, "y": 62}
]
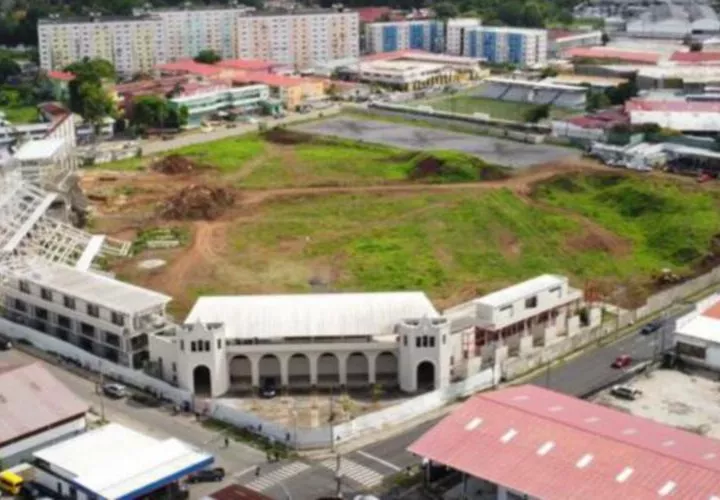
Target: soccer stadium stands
[{"x": 533, "y": 92}]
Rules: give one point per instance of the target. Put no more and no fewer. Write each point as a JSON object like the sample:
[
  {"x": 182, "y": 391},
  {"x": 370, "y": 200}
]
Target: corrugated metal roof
[
  {"x": 236, "y": 492},
  {"x": 114, "y": 461},
  {"x": 32, "y": 399},
  {"x": 608, "y": 53},
  {"x": 695, "y": 57},
  {"x": 521, "y": 290},
  {"x": 311, "y": 315},
  {"x": 553, "y": 446}
]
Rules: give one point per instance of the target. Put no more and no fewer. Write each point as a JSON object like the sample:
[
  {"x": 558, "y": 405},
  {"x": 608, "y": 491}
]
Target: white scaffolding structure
[{"x": 28, "y": 233}]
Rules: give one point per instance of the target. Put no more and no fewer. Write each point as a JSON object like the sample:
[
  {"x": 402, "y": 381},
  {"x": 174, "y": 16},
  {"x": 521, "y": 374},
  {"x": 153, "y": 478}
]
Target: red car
[{"x": 622, "y": 361}]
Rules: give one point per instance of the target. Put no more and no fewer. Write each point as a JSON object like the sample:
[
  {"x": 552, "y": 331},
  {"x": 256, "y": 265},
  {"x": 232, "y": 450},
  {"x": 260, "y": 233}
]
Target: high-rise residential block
[
  {"x": 455, "y": 34},
  {"x": 132, "y": 44},
  {"x": 299, "y": 38},
  {"x": 425, "y": 34},
  {"x": 501, "y": 44}
]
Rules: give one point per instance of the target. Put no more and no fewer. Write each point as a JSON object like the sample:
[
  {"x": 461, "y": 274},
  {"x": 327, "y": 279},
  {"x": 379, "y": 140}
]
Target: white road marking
[
  {"x": 244, "y": 471},
  {"x": 379, "y": 460},
  {"x": 355, "y": 471},
  {"x": 266, "y": 481}
]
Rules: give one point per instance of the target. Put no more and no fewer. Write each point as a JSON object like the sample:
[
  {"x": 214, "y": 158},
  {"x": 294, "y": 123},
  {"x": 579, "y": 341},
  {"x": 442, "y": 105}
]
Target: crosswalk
[
  {"x": 265, "y": 481},
  {"x": 355, "y": 471}
]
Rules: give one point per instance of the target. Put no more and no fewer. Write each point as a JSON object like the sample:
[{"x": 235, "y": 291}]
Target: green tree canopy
[
  {"x": 208, "y": 56},
  {"x": 446, "y": 10},
  {"x": 156, "y": 112},
  {"x": 537, "y": 113},
  {"x": 8, "y": 68}
]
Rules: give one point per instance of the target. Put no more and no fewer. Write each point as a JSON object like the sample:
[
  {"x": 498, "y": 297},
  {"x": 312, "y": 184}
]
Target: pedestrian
[
  {"x": 227, "y": 442},
  {"x": 257, "y": 471}
]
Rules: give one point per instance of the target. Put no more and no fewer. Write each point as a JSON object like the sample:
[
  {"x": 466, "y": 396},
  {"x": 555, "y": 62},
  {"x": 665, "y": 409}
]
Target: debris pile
[
  {"x": 175, "y": 164},
  {"x": 197, "y": 202}
]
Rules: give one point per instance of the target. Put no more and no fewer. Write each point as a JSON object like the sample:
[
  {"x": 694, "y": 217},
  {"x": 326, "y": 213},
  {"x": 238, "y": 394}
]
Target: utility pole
[{"x": 101, "y": 392}]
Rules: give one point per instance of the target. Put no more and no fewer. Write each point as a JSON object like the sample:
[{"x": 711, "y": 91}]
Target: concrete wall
[{"x": 93, "y": 363}]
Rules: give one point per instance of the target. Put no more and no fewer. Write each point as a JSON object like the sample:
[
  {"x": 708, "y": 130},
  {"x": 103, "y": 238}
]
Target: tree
[
  {"x": 208, "y": 56},
  {"x": 605, "y": 38},
  {"x": 96, "y": 103},
  {"x": 150, "y": 111},
  {"x": 8, "y": 69},
  {"x": 597, "y": 100},
  {"x": 549, "y": 72},
  {"x": 92, "y": 69},
  {"x": 696, "y": 47},
  {"x": 445, "y": 10},
  {"x": 87, "y": 96},
  {"x": 537, "y": 113}
]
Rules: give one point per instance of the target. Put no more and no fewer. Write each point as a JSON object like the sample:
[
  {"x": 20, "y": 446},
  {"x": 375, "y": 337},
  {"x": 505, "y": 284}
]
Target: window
[
  {"x": 182, "y": 345},
  {"x": 418, "y": 342},
  {"x": 64, "y": 321},
  {"x": 690, "y": 350},
  {"x": 207, "y": 345},
  {"x": 46, "y": 294},
  {"x": 24, "y": 286},
  {"x": 444, "y": 339},
  {"x": 432, "y": 341},
  {"x": 69, "y": 302},
  {"x": 405, "y": 340},
  {"x": 174, "y": 367},
  {"x": 531, "y": 302},
  {"x": 219, "y": 343},
  {"x": 87, "y": 329},
  {"x": 193, "y": 346},
  {"x": 20, "y": 305},
  {"x": 117, "y": 319},
  {"x": 112, "y": 339},
  {"x": 41, "y": 313},
  {"x": 93, "y": 310},
  {"x": 424, "y": 341}
]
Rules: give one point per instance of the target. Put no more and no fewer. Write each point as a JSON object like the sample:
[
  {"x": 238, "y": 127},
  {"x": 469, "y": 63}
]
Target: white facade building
[
  {"x": 114, "y": 462},
  {"x": 423, "y": 34},
  {"x": 302, "y": 39},
  {"x": 404, "y": 74},
  {"x": 455, "y": 34},
  {"x": 502, "y": 44},
  {"x": 132, "y": 44},
  {"x": 697, "y": 334},
  {"x": 46, "y": 162}
]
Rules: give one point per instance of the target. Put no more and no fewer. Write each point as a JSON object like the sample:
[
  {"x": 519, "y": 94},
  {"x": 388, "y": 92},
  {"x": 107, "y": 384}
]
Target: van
[{"x": 11, "y": 483}]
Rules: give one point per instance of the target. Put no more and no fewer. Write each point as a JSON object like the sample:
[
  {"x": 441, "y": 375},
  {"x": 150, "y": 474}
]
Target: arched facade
[
  {"x": 357, "y": 370},
  {"x": 299, "y": 371},
  {"x": 240, "y": 372},
  {"x": 425, "y": 376},
  {"x": 202, "y": 381},
  {"x": 269, "y": 369},
  {"x": 328, "y": 370}
]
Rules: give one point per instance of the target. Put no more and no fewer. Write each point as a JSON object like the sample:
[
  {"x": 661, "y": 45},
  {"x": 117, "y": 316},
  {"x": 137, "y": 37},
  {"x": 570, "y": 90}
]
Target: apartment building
[
  {"x": 455, "y": 34},
  {"x": 192, "y": 29},
  {"x": 204, "y": 101},
  {"x": 299, "y": 38},
  {"x": 425, "y": 34},
  {"x": 132, "y": 44},
  {"x": 523, "y": 47}
]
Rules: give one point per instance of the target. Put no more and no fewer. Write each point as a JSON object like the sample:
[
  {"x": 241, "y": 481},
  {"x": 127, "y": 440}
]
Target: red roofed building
[
  {"x": 190, "y": 67},
  {"x": 292, "y": 91},
  {"x": 253, "y": 65},
  {"x": 60, "y": 75},
  {"x": 535, "y": 443},
  {"x": 374, "y": 14},
  {"x": 592, "y": 127},
  {"x": 696, "y": 57},
  {"x": 676, "y": 114},
  {"x": 36, "y": 410},
  {"x": 608, "y": 54}
]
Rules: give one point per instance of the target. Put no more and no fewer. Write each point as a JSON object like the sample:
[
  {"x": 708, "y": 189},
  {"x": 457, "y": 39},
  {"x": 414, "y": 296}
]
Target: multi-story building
[
  {"x": 299, "y": 38},
  {"x": 193, "y": 29},
  {"x": 501, "y": 44},
  {"x": 132, "y": 44},
  {"x": 425, "y": 34},
  {"x": 203, "y": 101},
  {"x": 455, "y": 34}
]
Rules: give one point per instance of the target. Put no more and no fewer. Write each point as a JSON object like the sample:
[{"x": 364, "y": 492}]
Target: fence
[{"x": 90, "y": 362}]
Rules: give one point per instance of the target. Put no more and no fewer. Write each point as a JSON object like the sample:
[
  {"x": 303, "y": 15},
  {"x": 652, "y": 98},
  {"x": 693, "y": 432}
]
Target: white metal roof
[
  {"x": 114, "y": 461},
  {"x": 702, "y": 328},
  {"x": 311, "y": 315},
  {"x": 42, "y": 149},
  {"x": 707, "y": 121},
  {"x": 522, "y": 290},
  {"x": 94, "y": 288}
]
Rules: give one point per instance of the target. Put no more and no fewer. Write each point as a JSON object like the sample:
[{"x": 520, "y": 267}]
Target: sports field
[{"x": 504, "y": 110}]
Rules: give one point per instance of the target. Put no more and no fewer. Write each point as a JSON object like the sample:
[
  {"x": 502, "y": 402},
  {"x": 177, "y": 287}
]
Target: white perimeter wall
[{"x": 19, "y": 451}]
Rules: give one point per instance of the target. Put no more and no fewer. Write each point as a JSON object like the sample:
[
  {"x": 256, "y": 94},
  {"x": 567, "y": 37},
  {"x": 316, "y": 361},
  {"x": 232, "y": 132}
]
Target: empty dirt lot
[{"x": 496, "y": 151}]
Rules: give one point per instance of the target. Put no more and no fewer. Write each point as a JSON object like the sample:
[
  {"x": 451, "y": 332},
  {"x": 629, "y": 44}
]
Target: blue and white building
[
  {"x": 523, "y": 47},
  {"x": 425, "y": 34}
]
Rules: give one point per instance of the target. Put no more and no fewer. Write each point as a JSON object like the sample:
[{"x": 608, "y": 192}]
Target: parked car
[
  {"x": 207, "y": 475},
  {"x": 622, "y": 361},
  {"x": 625, "y": 392},
  {"x": 268, "y": 390},
  {"x": 115, "y": 391},
  {"x": 5, "y": 343},
  {"x": 651, "y": 327}
]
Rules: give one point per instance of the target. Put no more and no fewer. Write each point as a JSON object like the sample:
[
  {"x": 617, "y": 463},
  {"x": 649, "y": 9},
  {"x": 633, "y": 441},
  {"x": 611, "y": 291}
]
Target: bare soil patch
[
  {"x": 596, "y": 238},
  {"x": 197, "y": 202}
]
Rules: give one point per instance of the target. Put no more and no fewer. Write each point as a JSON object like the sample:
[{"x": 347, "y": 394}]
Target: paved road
[
  {"x": 497, "y": 151},
  {"x": 155, "y": 422}
]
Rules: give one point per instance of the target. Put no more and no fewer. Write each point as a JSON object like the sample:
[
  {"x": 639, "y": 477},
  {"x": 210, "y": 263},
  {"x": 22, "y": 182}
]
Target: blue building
[
  {"x": 522, "y": 47},
  {"x": 426, "y": 34}
]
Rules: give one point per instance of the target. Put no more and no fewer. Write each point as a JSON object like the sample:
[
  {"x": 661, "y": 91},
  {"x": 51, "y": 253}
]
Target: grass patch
[
  {"x": 503, "y": 110},
  {"x": 20, "y": 114},
  {"x": 276, "y": 450}
]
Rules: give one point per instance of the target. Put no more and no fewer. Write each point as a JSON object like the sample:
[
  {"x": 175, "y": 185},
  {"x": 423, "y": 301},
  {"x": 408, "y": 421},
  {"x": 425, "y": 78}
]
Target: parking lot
[
  {"x": 490, "y": 149},
  {"x": 689, "y": 401}
]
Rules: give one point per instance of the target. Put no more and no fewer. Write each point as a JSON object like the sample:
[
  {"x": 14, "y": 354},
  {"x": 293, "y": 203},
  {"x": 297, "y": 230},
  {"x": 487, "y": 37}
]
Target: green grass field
[
  {"x": 458, "y": 244},
  {"x": 20, "y": 114},
  {"x": 503, "y": 110},
  {"x": 284, "y": 159}
]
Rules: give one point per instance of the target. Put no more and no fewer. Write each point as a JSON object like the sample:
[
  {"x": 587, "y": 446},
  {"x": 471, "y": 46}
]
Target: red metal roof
[
  {"x": 675, "y": 106},
  {"x": 607, "y": 53},
  {"x": 397, "y": 54},
  {"x": 270, "y": 79},
  {"x": 601, "y": 120},
  {"x": 190, "y": 66},
  {"x": 247, "y": 64},
  {"x": 713, "y": 312},
  {"x": 553, "y": 446},
  {"x": 695, "y": 57},
  {"x": 32, "y": 399},
  {"x": 237, "y": 492},
  {"x": 372, "y": 14},
  {"x": 61, "y": 75}
]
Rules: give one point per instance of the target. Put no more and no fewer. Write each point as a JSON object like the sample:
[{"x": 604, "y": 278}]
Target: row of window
[
  {"x": 424, "y": 340},
  {"x": 70, "y": 303},
  {"x": 200, "y": 345}
]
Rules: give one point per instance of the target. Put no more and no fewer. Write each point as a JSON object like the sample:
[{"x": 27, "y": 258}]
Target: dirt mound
[
  {"x": 286, "y": 137},
  {"x": 432, "y": 168},
  {"x": 596, "y": 238},
  {"x": 175, "y": 165},
  {"x": 197, "y": 202}
]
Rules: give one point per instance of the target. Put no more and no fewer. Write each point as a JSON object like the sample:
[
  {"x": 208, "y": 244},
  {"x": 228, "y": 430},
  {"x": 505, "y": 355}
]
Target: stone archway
[
  {"x": 426, "y": 376},
  {"x": 240, "y": 372},
  {"x": 269, "y": 370},
  {"x": 299, "y": 371},
  {"x": 358, "y": 370},
  {"x": 386, "y": 369},
  {"x": 328, "y": 370},
  {"x": 202, "y": 381}
]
